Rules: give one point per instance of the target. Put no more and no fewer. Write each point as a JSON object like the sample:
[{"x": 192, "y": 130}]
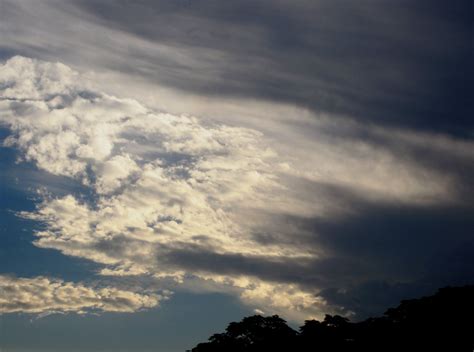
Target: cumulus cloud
[
  {"x": 45, "y": 295},
  {"x": 163, "y": 182},
  {"x": 286, "y": 299},
  {"x": 176, "y": 197}
]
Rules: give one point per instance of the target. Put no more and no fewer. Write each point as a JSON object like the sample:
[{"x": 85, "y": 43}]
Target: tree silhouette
[
  {"x": 442, "y": 322},
  {"x": 255, "y": 333}
]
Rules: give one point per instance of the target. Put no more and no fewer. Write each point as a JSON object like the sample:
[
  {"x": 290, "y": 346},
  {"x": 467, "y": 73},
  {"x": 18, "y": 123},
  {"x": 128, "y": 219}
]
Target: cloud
[
  {"x": 175, "y": 197},
  {"x": 45, "y": 295},
  {"x": 163, "y": 183},
  {"x": 403, "y": 72}
]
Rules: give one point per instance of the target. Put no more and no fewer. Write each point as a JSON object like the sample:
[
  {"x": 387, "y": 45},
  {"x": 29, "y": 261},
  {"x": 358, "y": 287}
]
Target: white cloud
[
  {"x": 45, "y": 295},
  {"x": 175, "y": 178},
  {"x": 113, "y": 172},
  {"x": 162, "y": 181},
  {"x": 288, "y": 300}
]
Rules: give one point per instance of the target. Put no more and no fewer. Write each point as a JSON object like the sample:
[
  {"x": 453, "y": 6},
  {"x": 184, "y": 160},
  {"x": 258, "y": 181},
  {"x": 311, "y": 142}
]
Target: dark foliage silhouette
[
  {"x": 254, "y": 333},
  {"x": 442, "y": 322}
]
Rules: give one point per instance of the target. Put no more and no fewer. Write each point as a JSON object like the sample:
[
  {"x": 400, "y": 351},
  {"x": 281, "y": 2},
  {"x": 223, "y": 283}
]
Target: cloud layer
[
  {"x": 178, "y": 199},
  {"x": 395, "y": 64}
]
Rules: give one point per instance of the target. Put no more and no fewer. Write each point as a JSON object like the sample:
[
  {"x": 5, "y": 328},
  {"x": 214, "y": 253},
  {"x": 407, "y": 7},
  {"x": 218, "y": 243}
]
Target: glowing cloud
[{"x": 45, "y": 295}]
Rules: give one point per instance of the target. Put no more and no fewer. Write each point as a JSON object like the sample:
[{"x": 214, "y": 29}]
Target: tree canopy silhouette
[
  {"x": 442, "y": 322},
  {"x": 255, "y": 333}
]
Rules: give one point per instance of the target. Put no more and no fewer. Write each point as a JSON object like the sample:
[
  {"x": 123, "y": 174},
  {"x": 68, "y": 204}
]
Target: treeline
[{"x": 442, "y": 322}]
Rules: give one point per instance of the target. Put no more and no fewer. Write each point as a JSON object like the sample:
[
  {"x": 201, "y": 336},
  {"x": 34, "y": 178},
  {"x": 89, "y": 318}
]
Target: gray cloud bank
[{"x": 398, "y": 63}]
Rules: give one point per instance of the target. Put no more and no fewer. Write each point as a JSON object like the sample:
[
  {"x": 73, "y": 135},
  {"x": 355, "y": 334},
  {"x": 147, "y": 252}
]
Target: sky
[{"x": 168, "y": 167}]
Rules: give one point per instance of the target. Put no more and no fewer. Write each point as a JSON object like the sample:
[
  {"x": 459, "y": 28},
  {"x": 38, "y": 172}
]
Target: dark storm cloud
[
  {"x": 453, "y": 267},
  {"x": 372, "y": 298},
  {"x": 399, "y": 241},
  {"x": 393, "y": 252},
  {"x": 398, "y": 63}
]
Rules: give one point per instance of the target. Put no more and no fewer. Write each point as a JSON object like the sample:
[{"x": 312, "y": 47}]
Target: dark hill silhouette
[{"x": 442, "y": 322}]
